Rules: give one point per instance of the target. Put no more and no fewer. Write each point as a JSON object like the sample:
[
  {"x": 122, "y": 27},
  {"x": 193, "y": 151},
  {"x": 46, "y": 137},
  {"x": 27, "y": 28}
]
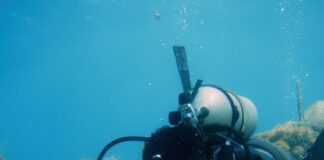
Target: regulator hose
[
  {"x": 120, "y": 140},
  {"x": 219, "y": 128}
]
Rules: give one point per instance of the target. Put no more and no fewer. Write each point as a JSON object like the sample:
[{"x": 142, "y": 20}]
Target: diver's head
[{"x": 180, "y": 142}]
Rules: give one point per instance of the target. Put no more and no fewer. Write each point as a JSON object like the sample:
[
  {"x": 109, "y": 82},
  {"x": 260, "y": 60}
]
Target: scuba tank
[{"x": 227, "y": 109}]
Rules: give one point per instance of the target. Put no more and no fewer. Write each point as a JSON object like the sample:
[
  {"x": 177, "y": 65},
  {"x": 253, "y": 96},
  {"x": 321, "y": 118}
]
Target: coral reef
[
  {"x": 298, "y": 137},
  {"x": 295, "y": 137},
  {"x": 314, "y": 116}
]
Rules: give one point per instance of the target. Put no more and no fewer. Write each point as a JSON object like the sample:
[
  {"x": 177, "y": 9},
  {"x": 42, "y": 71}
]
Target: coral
[
  {"x": 298, "y": 151},
  {"x": 294, "y": 137},
  {"x": 298, "y": 137},
  {"x": 314, "y": 116},
  {"x": 283, "y": 145}
]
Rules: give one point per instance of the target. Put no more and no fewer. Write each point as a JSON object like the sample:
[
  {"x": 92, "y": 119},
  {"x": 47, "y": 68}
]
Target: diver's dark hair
[{"x": 175, "y": 143}]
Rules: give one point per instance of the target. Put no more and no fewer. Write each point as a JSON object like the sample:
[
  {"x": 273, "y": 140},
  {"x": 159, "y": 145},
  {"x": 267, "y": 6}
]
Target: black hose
[
  {"x": 120, "y": 140},
  {"x": 220, "y": 128}
]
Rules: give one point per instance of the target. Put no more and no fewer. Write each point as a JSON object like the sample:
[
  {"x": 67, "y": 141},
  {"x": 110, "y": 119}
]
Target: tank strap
[
  {"x": 235, "y": 113},
  {"x": 241, "y": 106}
]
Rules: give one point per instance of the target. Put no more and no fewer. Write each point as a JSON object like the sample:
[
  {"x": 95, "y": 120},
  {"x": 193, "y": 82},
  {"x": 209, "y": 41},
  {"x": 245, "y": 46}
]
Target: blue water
[{"x": 77, "y": 74}]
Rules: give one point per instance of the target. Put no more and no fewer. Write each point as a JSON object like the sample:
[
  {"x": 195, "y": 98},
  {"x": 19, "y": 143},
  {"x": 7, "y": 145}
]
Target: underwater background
[{"x": 75, "y": 75}]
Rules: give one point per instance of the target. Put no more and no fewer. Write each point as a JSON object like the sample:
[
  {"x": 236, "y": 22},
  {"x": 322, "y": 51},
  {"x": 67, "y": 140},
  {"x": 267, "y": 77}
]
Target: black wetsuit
[{"x": 316, "y": 152}]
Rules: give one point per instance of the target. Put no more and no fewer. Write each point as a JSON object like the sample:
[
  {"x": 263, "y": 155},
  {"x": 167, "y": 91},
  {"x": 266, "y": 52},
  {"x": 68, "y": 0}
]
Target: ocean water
[{"x": 74, "y": 75}]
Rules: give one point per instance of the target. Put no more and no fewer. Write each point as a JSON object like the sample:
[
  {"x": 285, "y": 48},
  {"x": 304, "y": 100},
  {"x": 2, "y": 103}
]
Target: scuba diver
[{"x": 210, "y": 123}]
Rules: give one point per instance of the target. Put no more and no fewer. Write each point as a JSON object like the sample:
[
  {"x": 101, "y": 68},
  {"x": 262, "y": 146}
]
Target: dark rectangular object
[{"x": 181, "y": 58}]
